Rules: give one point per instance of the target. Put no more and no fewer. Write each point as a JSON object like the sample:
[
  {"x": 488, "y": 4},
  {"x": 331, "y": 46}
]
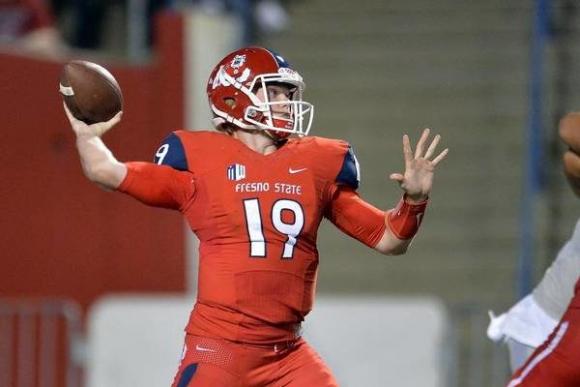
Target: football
[{"x": 90, "y": 91}]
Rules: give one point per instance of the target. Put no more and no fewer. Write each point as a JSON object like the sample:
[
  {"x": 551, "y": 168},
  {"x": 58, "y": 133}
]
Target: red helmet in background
[{"x": 232, "y": 88}]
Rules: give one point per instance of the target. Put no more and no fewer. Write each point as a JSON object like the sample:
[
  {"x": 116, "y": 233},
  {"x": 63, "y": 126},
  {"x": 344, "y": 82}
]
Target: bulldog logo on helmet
[{"x": 238, "y": 61}]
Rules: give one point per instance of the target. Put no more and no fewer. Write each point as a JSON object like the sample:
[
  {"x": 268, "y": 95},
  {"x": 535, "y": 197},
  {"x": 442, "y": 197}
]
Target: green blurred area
[{"x": 375, "y": 70}]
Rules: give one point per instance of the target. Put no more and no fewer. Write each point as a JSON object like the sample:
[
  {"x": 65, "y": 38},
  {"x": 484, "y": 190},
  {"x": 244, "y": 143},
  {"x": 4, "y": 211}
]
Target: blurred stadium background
[{"x": 82, "y": 269}]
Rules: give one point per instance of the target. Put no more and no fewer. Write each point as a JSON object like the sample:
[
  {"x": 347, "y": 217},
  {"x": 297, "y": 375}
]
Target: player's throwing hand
[
  {"x": 97, "y": 129},
  {"x": 419, "y": 167}
]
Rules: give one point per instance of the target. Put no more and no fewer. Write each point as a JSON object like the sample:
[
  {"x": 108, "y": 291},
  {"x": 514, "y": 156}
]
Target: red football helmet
[{"x": 232, "y": 88}]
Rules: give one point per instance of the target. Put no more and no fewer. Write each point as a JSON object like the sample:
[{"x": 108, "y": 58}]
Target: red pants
[
  {"x": 556, "y": 363},
  {"x": 219, "y": 363}
]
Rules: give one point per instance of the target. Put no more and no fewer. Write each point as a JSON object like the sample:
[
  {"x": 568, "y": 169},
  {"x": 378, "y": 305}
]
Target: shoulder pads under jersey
[
  {"x": 171, "y": 153},
  {"x": 350, "y": 171}
]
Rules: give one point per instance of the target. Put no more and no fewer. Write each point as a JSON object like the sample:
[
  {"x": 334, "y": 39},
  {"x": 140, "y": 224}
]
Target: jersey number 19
[{"x": 256, "y": 231}]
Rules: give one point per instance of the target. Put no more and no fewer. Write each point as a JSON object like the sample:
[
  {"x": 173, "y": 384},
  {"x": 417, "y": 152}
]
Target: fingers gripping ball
[{"x": 90, "y": 91}]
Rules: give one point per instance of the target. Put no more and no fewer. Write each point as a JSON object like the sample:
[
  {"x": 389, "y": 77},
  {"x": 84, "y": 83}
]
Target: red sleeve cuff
[{"x": 404, "y": 220}]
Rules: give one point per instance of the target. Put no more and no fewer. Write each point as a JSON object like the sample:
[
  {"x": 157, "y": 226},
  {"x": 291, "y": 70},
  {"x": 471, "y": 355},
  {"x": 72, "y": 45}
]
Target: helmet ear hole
[{"x": 230, "y": 102}]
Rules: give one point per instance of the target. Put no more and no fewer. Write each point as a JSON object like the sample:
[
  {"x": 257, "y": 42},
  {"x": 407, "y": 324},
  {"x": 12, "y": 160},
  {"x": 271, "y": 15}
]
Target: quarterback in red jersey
[{"x": 255, "y": 197}]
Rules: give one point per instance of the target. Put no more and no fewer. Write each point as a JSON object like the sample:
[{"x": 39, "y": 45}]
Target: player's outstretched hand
[
  {"x": 417, "y": 179},
  {"x": 97, "y": 129}
]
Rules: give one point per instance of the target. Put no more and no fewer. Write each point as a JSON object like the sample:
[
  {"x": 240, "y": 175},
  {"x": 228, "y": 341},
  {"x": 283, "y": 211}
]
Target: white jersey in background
[
  {"x": 554, "y": 292},
  {"x": 529, "y": 322}
]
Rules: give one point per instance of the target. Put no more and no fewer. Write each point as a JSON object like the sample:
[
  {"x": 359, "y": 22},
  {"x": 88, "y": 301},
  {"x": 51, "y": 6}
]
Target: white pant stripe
[{"x": 542, "y": 355}]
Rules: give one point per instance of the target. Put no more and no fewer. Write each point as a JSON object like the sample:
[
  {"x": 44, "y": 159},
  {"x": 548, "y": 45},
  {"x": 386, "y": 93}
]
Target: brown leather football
[{"x": 90, "y": 91}]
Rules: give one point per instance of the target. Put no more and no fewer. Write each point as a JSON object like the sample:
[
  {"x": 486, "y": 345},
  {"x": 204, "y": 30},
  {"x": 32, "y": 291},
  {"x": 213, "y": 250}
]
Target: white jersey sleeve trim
[{"x": 525, "y": 322}]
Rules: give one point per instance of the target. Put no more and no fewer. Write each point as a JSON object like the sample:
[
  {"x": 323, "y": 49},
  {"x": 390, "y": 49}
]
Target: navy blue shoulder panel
[
  {"x": 350, "y": 172},
  {"x": 171, "y": 153}
]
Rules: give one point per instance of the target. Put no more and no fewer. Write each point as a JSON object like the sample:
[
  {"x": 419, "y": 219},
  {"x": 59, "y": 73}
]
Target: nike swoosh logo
[
  {"x": 419, "y": 218},
  {"x": 203, "y": 349},
  {"x": 293, "y": 171}
]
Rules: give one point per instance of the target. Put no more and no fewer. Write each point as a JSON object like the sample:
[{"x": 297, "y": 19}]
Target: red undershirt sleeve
[
  {"x": 158, "y": 185},
  {"x": 354, "y": 216}
]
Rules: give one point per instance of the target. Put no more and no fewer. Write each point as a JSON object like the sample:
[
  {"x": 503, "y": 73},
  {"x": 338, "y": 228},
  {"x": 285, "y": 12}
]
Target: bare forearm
[
  {"x": 98, "y": 162},
  {"x": 391, "y": 245}
]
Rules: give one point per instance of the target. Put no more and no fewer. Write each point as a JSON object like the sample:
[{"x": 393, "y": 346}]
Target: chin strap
[{"x": 405, "y": 219}]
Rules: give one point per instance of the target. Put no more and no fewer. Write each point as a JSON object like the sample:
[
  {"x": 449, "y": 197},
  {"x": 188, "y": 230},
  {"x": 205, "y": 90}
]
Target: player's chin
[{"x": 279, "y": 135}]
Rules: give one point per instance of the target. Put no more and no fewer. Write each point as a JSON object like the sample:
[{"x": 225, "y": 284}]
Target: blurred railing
[
  {"x": 473, "y": 359},
  {"x": 40, "y": 343},
  {"x": 534, "y": 168}
]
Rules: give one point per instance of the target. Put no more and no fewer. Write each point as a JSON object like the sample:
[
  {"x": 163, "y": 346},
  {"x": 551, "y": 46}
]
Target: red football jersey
[
  {"x": 257, "y": 218},
  {"x": 555, "y": 362},
  {"x": 576, "y": 299}
]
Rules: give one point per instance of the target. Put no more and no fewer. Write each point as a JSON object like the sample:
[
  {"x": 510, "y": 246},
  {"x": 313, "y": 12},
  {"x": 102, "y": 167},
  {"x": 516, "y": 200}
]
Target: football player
[
  {"x": 255, "y": 197},
  {"x": 542, "y": 330},
  {"x": 555, "y": 363},
  {"x": 531, "y": 320}
]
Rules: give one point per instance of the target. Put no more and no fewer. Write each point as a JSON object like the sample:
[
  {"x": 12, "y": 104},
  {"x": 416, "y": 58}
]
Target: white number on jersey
[
  {"x": 256, "y": 232},
  {"x": 254, "y": 226},
  {"x": 161, "y": 153}
]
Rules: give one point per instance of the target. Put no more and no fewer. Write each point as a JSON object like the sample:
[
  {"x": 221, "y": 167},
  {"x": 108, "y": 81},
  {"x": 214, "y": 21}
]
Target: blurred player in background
[
  {"x": 30, "y": 25},
  {"x": 556, "y": 363},
  {"x": 546, "y": 322},
  {"x": 255, "y": 198},
  {"x": 529, "y": 322}
]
